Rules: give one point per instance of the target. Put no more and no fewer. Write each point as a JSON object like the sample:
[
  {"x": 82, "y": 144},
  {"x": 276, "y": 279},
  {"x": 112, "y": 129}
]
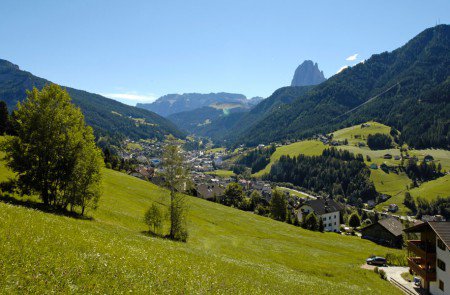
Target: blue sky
[{"x": 139, "y": 50}]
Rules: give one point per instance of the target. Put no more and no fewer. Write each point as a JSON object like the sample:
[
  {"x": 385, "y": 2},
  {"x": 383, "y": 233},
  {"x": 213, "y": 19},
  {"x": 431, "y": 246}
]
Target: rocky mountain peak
[{"x": 308, "y": 73}]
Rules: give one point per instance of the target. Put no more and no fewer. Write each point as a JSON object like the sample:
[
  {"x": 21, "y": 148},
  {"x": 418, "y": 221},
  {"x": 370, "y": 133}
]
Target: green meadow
[
  {"x": 306, "y": 147},
  {"x": 228, "y": 251},
  {"x": 387, "y": 183}
]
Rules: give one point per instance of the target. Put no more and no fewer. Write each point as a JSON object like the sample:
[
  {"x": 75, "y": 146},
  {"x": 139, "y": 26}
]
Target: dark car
[{"x": 376, "y": 260}]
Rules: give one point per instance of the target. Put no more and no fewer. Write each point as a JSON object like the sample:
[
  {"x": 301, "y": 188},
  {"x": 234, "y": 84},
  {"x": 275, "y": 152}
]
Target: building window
[
  {"x": 324, "y": 219},
  {"x": 441, "y": 285},
  {"x": 329, "y": 224},
  {"x": 335, "y": 223},
  {"x": 334, "y": 216},
  {"x": 441, "y": 264},
  {"x": 329, "y": 217},
  {"x": 441, "y": 244}
]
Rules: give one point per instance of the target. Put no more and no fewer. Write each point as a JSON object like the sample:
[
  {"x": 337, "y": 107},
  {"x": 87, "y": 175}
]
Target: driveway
[{"x": 394, "y": 272}]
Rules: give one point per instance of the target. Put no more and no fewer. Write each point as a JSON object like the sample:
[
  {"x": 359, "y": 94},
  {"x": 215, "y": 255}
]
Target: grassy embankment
[{"x": 228, "y": 251}]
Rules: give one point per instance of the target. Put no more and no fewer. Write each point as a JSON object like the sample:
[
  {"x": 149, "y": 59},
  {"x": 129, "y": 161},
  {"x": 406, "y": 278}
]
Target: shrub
[
  {"x": 154, "y": 218},
  {"x": 382, "y": 274},
  {"x": 354, "y": 220},
  {"x": 375, "y": 270},
  {"x": 396, "y": 259}
]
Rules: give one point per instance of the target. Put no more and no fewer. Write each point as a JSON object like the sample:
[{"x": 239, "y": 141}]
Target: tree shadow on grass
[
  {"x": 41, "y": 207},
  {"x": 152, "y": 234}
]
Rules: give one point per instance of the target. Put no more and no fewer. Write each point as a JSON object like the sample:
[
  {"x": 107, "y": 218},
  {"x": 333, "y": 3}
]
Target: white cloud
[
  {"x": 352, "y": 57},
  {"x": 341, "y": 69},
  {"x": 131, "y": 97}
]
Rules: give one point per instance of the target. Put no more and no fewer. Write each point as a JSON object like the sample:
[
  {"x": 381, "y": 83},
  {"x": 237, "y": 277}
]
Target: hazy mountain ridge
[
  {"x": 176, "y": 103},
  {"x": 106, "y": 116}
]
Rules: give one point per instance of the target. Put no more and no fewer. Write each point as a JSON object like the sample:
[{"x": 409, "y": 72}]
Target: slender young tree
[{"x": 176, "y": 177}]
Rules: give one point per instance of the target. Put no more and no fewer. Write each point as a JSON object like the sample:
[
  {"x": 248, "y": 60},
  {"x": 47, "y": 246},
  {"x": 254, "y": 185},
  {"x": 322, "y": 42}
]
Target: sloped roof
[
  {"x": 394, "y": 226},
  {"x": 442, "y": 229},
  {"x": 323, "y": 206}
]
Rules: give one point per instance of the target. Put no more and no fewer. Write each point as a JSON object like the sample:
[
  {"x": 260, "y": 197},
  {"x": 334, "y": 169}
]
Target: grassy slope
[
  {"x": 229, "y": 251},
  {"x": 350, "y": 132},
  {"x": 307, "y": 147},
  {"x": 387, "y": 183}
]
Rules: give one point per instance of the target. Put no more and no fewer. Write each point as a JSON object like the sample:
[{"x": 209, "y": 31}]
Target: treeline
[
  {"x": 421, "y": 206},
  {"x": 257, "y": 159},
  {"x": 335, "y": 172},
  {"x": 278, "y": 206},
  {"x": 379, "y": 141},
  {"x": 423, "y": 171}
]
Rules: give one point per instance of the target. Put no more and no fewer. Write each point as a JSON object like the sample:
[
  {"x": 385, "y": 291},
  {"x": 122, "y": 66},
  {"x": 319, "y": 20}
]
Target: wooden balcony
[
  {"x": 423, "y": 268},
  {"x": 422, "y": 249}
]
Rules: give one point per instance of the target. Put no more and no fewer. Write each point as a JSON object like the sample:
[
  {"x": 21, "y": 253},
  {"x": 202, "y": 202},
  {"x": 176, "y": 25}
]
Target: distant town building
[{"x": 326, "y": 209}]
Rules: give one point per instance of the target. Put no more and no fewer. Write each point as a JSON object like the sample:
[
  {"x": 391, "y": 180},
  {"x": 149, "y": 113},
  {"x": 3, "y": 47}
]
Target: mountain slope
[
  {"x": 307, "y": 74},
  {"x": 228, "y": 251},
  {"x": 417, "y": 103},
  {"x": 196, "y": 121},
  {"x": 106, "y": 116},
  {"x": 176, "y": 103}
]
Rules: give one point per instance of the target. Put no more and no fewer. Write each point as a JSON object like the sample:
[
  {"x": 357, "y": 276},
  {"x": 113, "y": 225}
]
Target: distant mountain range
[
  {"x": 176, "y": 103},
  {"x": 209, "y": 121},
  {"x": 307, "y": 74},
  {"x": 106, "y": 116}
]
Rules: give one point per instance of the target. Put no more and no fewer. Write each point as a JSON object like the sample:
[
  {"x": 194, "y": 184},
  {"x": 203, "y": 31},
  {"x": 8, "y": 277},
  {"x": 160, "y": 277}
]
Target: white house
[{"x": 326, "y": 209}]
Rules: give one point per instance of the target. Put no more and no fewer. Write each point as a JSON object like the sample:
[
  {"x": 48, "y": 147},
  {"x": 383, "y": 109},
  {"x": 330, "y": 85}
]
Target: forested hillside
[
  {"x": 417, "y": 102},
  {"x": 106, "y": 116}
]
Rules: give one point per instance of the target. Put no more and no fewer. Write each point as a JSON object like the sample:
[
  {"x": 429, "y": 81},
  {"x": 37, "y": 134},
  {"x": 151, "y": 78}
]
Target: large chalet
[{"x": 429, "y": 255}]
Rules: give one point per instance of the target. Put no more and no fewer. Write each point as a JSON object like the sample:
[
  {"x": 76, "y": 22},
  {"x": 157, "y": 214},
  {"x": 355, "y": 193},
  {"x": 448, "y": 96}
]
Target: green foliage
[
  {"x": 4, "y": 118},
  {"x": 109, "y": 254},
  {"x": 104, "y": 115},
  {"x": 233, "y": 195},
  {"x": 334, "y": 171},
  {"x": 257, "y": 158},
  {"x": 321, "y": 226},
  {"x": 54, "y": 152},
  {"x": 396, "y": 259},
  {"x": 379, "y": 141},
  {"x": 176, "y": 179},
  {"x": 382, "y": 274},
  {"x": 311, "y": 222},
  {"x": 154, "y": 218},
  {"x": 354, "y": 220},
  {"x": 439, "y": 206},
  {"x": 409, "y": 202},
  {"x": 418, "y": 107},
  {"x": 278, "y": 205}
]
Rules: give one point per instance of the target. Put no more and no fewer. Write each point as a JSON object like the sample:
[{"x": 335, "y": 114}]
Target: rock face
[{"x": 307, "y": 74}]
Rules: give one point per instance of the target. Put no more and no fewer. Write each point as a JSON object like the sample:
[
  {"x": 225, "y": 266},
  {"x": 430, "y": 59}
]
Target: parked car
[{"x": 376, "y": 260}]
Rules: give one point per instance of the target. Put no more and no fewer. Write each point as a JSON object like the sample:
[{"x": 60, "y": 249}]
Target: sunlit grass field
[
  {"x": 349, "y": 133},
  {"x": 228, "y": 251},
  {"x": 306, "y": 147},
  {"x": 222, "y": 173}
]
